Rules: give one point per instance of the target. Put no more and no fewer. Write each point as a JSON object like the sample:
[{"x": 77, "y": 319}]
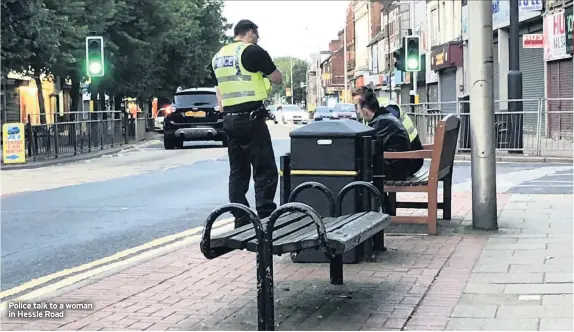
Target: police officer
[
  {"x": 240, "y": 68},
  {"x": 390, "y": 131},
  {"x": 399, "y": 113}
]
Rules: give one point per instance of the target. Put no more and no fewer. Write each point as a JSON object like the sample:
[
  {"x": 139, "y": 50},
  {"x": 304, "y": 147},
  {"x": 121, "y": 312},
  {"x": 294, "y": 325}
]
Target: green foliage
[
  {"x": 151, "y": 46},
  {"x": 299, "y": 76}
]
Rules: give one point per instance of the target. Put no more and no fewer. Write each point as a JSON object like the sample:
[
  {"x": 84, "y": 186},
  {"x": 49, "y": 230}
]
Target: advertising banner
[{"x": 14, "y": 148}]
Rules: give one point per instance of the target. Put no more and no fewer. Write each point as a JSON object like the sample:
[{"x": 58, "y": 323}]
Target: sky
[{"x": 291, "y": 28}]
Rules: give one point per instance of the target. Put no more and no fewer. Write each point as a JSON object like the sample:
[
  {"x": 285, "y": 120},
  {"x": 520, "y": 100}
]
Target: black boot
[{"x": 241, "y": 221}]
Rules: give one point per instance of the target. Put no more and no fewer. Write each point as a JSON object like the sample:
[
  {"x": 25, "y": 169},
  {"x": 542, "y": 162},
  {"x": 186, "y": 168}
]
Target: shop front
[
  {"x": 445, "y": 60},
  {"x": 559, "y": 75}
]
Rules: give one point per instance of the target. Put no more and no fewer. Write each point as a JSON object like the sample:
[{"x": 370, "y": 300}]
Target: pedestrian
[
  {"x": 390, "y": 131},
  {"x": 239, "y": 68},
  {"x": 396, "y": 110}
]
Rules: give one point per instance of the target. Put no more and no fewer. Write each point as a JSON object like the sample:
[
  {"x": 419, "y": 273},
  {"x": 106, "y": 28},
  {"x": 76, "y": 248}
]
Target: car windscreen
[
  {"x": 290, "y": 109},
  {"x": 344, "y": 108},
  {"x": 323, "y": 110},
  {"x": 195, "y": 99}
]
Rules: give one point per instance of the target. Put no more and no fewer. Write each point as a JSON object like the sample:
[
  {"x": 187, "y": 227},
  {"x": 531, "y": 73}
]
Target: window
[
  {"x": 195, "y": 98},
  {"x": 434, "y": 30}
]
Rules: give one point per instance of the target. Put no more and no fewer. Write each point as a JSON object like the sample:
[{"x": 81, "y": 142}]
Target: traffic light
[
  {"x": 95, "y": 56},
  {"x": 399, "y": 56},
  {"x": 412, "y": 56}
]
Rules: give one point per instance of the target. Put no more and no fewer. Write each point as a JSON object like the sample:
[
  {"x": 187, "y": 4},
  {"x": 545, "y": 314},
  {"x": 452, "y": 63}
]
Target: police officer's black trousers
[{"x": 250, "y": 145}]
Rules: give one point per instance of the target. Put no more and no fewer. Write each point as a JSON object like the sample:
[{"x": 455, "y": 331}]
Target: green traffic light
[
  {"x": 95, "y": 67},
  {"x": 413, "y": 64}
]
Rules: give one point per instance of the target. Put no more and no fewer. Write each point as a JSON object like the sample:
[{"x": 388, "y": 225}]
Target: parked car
[
  {"x": 323, "y": 113},
  {"x": 196, "y": 117},
  {"x": 293, "y": 113},
  {"x": 344, "y": 111},
  {"x": 159, "y": 119}
]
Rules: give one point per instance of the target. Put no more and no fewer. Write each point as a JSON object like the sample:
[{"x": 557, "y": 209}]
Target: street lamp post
[
  {"x": 483, "y": 162},
  {"x": 345, "y": 61}
]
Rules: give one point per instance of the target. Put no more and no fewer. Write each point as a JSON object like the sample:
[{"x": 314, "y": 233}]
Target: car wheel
[
  {"x": 168, "y": 142},
  {"x": 179, "y": 143}
]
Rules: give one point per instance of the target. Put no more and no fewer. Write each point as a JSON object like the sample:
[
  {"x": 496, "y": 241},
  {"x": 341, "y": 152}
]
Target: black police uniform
[
  {"x": 394, "y": 138},
  {"x": 250, "y": 144}
]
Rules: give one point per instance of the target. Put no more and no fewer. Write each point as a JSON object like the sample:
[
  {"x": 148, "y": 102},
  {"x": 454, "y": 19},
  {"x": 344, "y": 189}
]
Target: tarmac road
[{"x": 146, "y": 193}]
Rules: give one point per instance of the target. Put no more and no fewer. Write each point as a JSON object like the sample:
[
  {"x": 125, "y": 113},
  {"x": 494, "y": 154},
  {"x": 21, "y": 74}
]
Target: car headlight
[{"x": 216, "y": 108}]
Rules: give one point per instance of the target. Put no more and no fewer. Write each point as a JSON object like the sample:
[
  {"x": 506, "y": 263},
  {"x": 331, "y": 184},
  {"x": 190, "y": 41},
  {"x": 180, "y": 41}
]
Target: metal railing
[
  {"x": 78, "y": 132},
  {"x": 544, "y": 127}
]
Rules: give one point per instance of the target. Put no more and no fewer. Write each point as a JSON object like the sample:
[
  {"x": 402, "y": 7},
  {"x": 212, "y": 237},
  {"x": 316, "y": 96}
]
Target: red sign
[{"x": 535, "y": 40}]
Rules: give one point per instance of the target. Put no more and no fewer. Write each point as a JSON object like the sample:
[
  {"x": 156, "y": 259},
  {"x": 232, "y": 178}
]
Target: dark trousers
[{"x": 250, "y": 145}]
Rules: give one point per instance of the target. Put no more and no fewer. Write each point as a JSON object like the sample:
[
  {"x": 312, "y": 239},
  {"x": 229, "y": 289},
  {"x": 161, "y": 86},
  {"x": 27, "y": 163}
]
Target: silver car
[
  {"x": 293, "y": 113},
  {"x": 344, "y": 111}
]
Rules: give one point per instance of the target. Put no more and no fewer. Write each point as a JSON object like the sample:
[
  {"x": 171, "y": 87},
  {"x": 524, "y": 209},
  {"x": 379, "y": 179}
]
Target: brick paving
[{"x": 514, "y": 279}]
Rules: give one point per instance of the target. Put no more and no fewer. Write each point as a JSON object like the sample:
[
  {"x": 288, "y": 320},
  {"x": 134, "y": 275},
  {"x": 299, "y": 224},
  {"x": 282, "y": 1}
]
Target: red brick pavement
[{"x": 414, "y": 285}]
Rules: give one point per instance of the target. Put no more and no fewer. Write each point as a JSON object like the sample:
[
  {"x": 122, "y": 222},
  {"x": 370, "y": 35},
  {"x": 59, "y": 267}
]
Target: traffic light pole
[
  {"x": 413, "y": 74},
  {"x": 483, "y": 162}
]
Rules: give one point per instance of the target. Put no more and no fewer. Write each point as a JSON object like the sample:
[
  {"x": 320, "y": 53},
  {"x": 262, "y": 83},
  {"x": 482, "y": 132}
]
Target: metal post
[
  {"x": 515, "y": 80},
  {"x": 413, "y": 74},
  {"x": 389, "y": 53},
  {"x": 292, "y": 91},
  {"x": 484, "y": 212},
  {"x": 345, "y": 60}
]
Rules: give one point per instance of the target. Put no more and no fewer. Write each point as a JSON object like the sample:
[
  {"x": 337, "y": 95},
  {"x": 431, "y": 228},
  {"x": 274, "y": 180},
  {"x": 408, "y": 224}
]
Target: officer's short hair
[
  {"x": 242, "y": 27},
  {"x": 369, "y": 100},
  {"x": 362, "y": 90}
]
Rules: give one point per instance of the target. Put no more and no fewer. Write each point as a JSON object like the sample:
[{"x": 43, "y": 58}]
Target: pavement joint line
[{"x": 98, "y": 263}]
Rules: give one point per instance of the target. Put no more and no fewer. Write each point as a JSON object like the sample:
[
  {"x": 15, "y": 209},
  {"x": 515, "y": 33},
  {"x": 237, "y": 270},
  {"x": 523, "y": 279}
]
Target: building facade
[{"x": 333, "y": 78}]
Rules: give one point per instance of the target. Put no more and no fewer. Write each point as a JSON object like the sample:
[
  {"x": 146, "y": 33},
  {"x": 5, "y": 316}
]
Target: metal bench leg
[
  {"x": 368, "y": 250},
  {"x": 265, "y": 296},
  {"x": 336, "y": 267},
  {"x": 392, "y": 204},
  {"x": 447, "y": 198}
]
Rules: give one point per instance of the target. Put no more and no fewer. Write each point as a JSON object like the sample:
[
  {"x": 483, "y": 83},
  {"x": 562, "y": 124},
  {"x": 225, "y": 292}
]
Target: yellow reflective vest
[
  {"x": 404, "y": 117},
  {"x": 236, "y": 84}
]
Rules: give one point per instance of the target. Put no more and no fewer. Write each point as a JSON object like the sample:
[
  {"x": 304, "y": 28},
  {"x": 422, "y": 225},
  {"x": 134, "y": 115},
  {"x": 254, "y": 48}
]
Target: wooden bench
[
  {"x": 441, "y": 155},
  {"x": 293, "y": 227}
]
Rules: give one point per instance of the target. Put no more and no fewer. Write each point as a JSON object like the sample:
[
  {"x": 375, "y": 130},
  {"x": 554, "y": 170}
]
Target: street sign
[
  {"x": 288, "y": 92},
  {"x": 14, "y": 149},
  {"x": 533, "y": 40}
]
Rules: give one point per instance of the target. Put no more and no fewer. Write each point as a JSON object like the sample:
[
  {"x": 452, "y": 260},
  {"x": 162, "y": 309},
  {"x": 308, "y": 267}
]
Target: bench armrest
[
  {"x": 428, "y": 146},
  {"x": 418, "y": 154}
]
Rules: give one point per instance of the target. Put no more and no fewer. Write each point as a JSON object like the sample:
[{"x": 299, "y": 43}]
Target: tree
[{"x": 299, "y": 76}]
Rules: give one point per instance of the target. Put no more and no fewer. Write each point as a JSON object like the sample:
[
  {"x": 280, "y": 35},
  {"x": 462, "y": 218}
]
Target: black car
[{"x": 195, "y": 117}]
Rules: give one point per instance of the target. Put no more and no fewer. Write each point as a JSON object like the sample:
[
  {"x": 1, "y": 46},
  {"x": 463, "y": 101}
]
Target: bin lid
[{"x": 333, "y": 129}]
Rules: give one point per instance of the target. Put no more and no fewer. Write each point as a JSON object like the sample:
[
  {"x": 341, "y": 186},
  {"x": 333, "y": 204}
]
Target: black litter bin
[{"x": 333, "y": 153}]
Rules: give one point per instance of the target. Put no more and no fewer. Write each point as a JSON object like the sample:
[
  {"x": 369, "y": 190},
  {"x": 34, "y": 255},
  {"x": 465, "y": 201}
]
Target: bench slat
[
  {"x": 240, "y": 241},
  {"x": 221, "y": 240},
  {"x": 284, "y": 231},
  {"x": 307, "y": 237},
  {"x": 419, "y": 179},
  {"x": 354, "y": 233}
]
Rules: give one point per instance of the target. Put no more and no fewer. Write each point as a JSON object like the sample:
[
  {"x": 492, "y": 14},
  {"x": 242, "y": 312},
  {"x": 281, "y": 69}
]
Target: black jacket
[{"x": 395, "y": 138}]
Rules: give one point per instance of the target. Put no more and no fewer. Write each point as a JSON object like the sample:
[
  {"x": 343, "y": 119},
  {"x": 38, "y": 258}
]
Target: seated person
[
  {"x": 390, "y": 131},
  {"x": 395, "y": 109}
]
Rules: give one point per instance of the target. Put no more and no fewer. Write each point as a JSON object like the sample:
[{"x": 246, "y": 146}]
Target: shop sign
[
  {"x": 534, "y": 40},
  {"x": 569, "y": 23},
  {"x": 555, "y": 36}
]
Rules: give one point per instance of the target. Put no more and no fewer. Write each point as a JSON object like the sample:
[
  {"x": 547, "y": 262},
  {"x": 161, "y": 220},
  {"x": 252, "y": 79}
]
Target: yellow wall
[{"x": 29, "y": 101}]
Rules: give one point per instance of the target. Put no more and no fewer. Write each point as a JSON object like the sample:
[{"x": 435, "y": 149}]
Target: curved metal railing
[
  {"x": 355, "y": 185},
  {"x": 319, "y": 186}
]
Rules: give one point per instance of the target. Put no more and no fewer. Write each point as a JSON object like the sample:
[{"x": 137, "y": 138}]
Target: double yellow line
[{"x": 102, "y": 265}]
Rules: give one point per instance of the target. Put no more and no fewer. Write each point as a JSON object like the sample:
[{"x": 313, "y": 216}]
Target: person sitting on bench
[{"x": 393, "y": 135}]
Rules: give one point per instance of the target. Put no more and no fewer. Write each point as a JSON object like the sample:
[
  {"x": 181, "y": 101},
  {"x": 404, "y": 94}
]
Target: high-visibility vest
[
  {"x": 236, "y": 84},
  {"x": 403, "y": 117}
]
